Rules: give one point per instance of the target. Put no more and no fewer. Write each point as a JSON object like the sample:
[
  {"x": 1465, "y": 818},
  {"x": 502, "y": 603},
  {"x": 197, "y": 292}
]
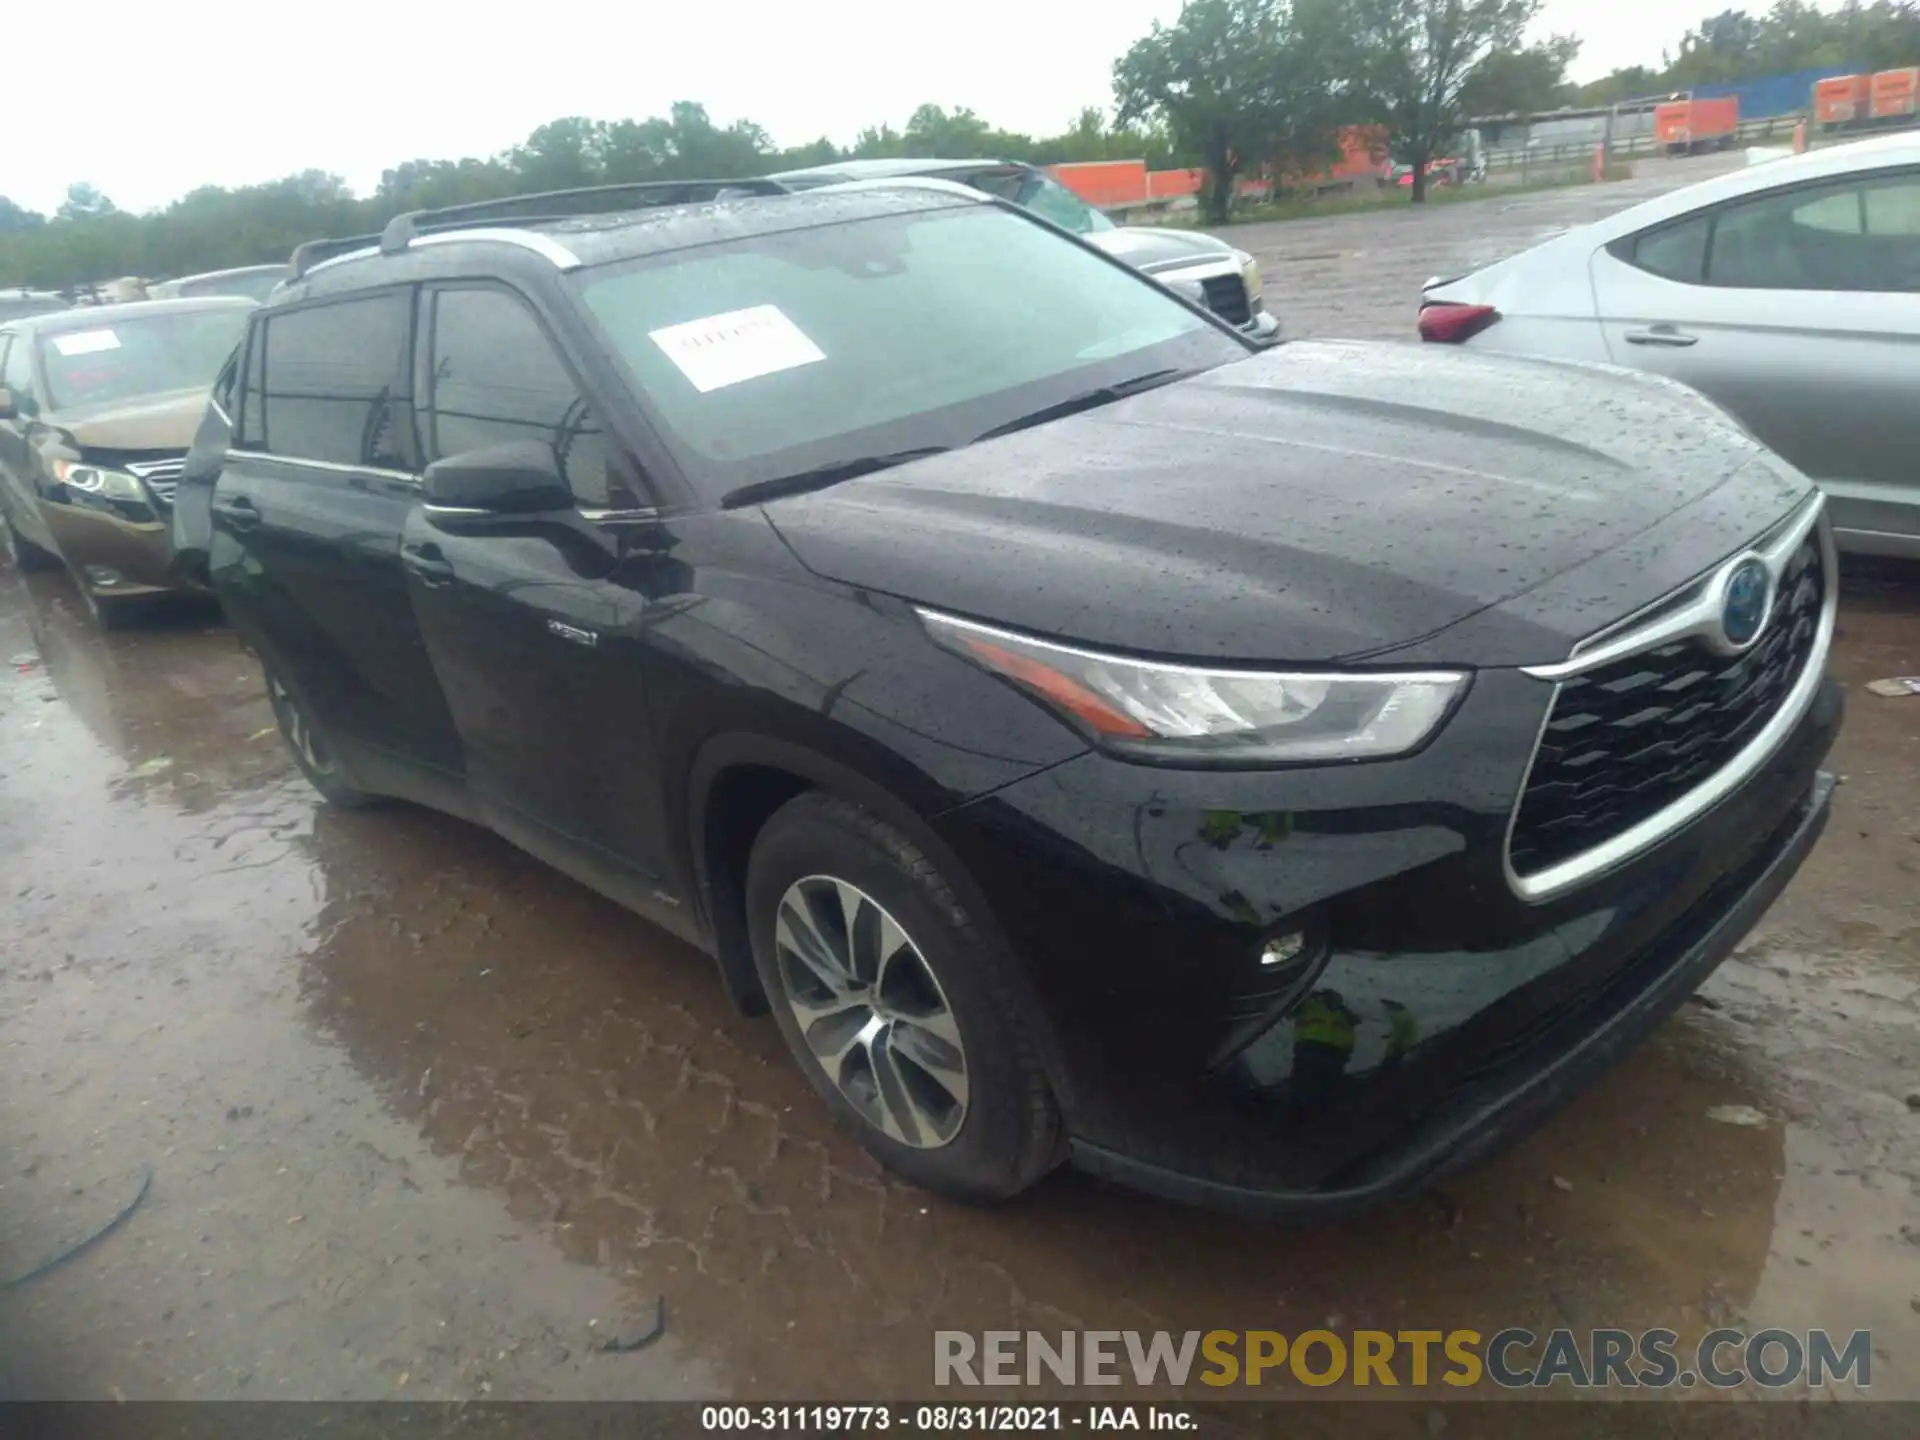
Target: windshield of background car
[
  {"x": 250, "y": 287},
  {"x": 767, "y": 356},
  {"x": 19, "y": 309},
  {"x": 1043, "y": 195},
  {"x": 126, "y": 358}
]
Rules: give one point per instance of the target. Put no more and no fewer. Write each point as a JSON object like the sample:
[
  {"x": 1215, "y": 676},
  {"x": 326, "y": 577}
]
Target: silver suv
[{"x": 1205, "y": 269}]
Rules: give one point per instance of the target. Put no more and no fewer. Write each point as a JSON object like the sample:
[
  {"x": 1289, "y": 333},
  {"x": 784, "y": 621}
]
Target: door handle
[
  {"x": 1668, "y": 335},
  {"x": 240, "y": 513},
  {"x": 427, "y": 565}
]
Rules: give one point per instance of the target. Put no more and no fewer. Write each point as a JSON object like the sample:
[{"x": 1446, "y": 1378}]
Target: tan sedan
[{"x": 97, "y": 409}]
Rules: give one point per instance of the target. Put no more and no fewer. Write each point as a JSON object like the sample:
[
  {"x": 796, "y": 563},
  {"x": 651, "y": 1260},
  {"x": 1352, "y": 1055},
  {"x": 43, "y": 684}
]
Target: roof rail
[
  {"x": 542, "y": 207},
  {"x": 311, "y": 252},
  {"x": 550, "y": 205}
]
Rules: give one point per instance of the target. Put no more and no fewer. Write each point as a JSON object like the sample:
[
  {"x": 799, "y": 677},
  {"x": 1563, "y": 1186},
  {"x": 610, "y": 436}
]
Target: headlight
[
  {"x": 98, "y": 480},
  {"x": 1183, "y": 714},
  {"x": 1250, "y": 275}
]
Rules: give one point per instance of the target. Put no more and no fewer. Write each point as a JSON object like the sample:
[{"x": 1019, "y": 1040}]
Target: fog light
[
  {"x": 102, "y": 576},
  {"x": 1282, "y": 948}
]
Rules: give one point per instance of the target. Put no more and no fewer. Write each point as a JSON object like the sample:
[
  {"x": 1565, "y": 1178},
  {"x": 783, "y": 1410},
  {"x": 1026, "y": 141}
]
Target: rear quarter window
[{"x": 1674, "y": 252}]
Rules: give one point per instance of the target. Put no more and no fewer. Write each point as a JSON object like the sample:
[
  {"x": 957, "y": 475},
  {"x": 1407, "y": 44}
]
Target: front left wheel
[
  {"x": 29, "y": 556},
  {"x": 900, "y": 1008}
]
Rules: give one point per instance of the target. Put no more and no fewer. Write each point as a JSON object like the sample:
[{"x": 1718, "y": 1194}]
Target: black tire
[
  {"x": 110, "y": 612},
  {"x": 309, "y": 747},
  {"x": 29, "y": 556},
  {"x": 1010, "y": 1133}
]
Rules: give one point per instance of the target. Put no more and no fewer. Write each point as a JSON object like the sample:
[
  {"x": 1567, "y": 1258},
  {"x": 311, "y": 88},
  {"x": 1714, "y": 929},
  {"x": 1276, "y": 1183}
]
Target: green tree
[
  {"x": 1241, "y": 84},
  {"x": 1410, "y": 61},
  {"x": 1521, "y": 82},
  {"x": 1722, "y": 49},
  {"x": 84, "y": 202},
  {"x": 15, "y": 218}
]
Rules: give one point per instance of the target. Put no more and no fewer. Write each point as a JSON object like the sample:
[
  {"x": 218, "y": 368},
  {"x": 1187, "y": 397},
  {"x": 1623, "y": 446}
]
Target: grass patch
[{"x": 1392, "y": 198}]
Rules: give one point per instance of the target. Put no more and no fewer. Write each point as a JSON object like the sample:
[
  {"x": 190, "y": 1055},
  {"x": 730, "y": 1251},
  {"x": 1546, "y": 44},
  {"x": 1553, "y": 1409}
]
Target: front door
[
  {"x": 1799, "y": 311},
  {"x": 19, "y": 488},
  {"x": 528, "y": 620},
  {"x": 316, "y": 488}
]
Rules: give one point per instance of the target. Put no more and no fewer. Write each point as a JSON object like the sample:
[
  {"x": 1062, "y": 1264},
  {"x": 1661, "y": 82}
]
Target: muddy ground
[{"x": 424, "y": 1119}]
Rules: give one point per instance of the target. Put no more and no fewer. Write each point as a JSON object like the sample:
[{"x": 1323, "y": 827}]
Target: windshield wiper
[
  {"x": 1087, "y": 400},
  {"x": 821, "y": 476}
]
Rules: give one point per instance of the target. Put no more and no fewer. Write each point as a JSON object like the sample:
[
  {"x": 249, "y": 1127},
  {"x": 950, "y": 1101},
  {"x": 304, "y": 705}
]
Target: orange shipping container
[
  {"x": 1842, "y": 99},
  {"x": 1696, "y": 122},
  {"x": 1104, "y": 182},
  {"x": 1172, "y": 184},
  {"x": 1895, "y": 91}
]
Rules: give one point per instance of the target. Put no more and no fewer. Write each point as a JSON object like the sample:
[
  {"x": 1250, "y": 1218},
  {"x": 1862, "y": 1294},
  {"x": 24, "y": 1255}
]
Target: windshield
[
  {"x": 764, "y": 357},
  {"x": 1043, "y": 195},
  {"x": 130, "y": 357}
]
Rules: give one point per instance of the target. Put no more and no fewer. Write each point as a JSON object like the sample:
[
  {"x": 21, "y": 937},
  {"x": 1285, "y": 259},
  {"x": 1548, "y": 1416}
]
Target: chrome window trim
[
  {"x": 332, "y": 465},
  {"x": 225, "y": 419},
  {"x": 614, "y": 516},
  {"x": 1642, "y": 836}
]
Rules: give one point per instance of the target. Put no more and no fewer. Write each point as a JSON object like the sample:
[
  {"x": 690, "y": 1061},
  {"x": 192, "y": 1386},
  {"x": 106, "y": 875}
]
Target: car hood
[
  {"x": 153, "y": 422},
  {"x": 1315, "y": 502},
  {"x": 1150, "y": 249}
]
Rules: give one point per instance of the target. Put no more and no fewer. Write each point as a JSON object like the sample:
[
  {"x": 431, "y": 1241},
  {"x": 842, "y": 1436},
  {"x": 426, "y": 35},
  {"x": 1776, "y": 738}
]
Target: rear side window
[
  {"x": 496, "y": 378},
  {"x": 332, "y": 383},
  {"x": 1859, "y": 234}
]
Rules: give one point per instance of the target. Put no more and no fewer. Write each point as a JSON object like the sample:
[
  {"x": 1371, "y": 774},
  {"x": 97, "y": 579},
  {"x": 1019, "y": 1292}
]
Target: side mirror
[
  {"x": 8, "y": 410},
  {"x": 516, "y": 477}
]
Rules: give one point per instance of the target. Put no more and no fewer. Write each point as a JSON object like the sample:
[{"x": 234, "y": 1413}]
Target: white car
[
  {"x": 1788, "y": 292},
  {"x": 1211, "y": 273}
]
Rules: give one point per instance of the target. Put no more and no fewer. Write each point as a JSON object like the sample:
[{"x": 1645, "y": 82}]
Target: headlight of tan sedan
[{"x": 100, "y": 480}]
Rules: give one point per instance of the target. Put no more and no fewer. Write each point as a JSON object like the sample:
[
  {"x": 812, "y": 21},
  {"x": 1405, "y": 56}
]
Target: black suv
[{"x": 1264, "y": 776}]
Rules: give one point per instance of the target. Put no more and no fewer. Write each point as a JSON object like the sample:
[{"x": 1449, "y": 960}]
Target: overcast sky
[{"x": 228, "y": 93}]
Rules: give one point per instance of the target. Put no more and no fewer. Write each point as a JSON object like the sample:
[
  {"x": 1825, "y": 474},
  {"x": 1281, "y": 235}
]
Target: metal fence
[{"x": 1555, "y": 158}]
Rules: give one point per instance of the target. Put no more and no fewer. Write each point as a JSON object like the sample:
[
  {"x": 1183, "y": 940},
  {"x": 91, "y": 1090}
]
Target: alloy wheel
[
  {"x": 298, "y": 730},
  {"x": 871, "y": 1012}
]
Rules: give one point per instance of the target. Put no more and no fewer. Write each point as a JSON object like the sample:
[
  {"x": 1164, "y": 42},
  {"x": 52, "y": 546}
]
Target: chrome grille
[
  {"x": 1627, "y": 739},
  {"x": 161, "y": 477}
]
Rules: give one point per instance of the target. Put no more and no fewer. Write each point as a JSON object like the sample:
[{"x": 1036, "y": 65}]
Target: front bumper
[
  {"x": 1447, "y": 1013},
  {"x": 1503, "y": 1105},
  {"x": 97, "y": 539}
]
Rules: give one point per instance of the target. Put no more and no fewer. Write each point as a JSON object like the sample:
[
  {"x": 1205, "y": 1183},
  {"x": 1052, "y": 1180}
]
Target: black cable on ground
[{"x": 146, "y": 1181}]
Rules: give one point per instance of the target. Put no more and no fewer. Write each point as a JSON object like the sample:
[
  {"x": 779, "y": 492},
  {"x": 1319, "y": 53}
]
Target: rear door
[
  {"x": 533, "y": 623},
  {"x": 313, "y": 496},
  {"x": 1799, "y": 310}
]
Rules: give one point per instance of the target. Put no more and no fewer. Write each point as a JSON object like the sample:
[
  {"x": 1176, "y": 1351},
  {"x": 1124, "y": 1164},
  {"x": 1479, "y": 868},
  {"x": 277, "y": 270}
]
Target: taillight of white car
[{"x": 1445, "y": 323}]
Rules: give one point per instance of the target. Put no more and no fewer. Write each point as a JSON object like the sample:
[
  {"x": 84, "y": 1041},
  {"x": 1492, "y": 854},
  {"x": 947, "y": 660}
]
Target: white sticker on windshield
[
  {"x": 740, "y": 345},
  {"x": 86, "y": 342}
]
